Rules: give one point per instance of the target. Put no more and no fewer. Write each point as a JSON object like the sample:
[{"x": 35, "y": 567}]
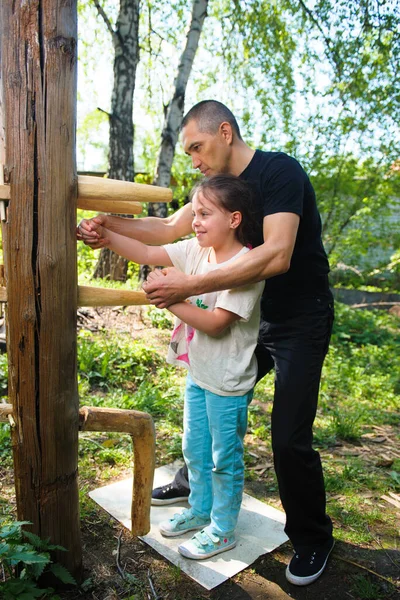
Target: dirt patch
[{"x": 154, "y": 578}]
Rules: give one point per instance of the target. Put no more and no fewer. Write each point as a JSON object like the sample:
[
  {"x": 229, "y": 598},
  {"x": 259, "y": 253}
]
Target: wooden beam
[
  {"x": 4, "y": 192},
  {"x": 111, "y": 195},
  {"x": 92, "y": 296},
  {"x": 99, "y": 188},
  {"x": 118, "y": 207},
  {"x": 5, "y": 410}
]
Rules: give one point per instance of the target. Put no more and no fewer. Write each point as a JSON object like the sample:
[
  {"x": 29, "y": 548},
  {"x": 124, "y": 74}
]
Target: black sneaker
[
  {"x": 168, "y": 494},
  {"x": 305, "y": 568}
]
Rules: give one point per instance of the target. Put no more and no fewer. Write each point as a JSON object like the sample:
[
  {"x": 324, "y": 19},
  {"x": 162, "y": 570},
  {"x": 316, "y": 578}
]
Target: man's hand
[
  {"x": 92, "y": 232},
  {"x": 167, "y": 286}
]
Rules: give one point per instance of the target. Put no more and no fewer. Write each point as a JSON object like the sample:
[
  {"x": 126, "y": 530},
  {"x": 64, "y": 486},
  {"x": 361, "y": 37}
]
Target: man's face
[{"x": 210, "y": 153}]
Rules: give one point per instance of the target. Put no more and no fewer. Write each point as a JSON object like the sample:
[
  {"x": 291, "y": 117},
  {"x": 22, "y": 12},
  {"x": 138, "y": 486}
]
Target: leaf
[
  {"x": 16, "y": 589},
  {"x": 131, "y": 578},
  {"x": 396, "y": 476},
  {"x": 10, "y": 530},
  {"x": 110, "y": 443},
  {"x": 4, "y": 548},
  {"x": 30, "y": 557},
  {"x": 37, "y": 569},
  {"x": 87, "y": 584},
  {"x": 62, "y": 573},
  {"x": 56, "y": 547},
  {"x": 35, "y": 540}
]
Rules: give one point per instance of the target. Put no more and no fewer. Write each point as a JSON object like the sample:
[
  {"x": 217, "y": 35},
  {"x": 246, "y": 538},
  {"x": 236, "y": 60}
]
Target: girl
[{"x": 214, "y": 338}]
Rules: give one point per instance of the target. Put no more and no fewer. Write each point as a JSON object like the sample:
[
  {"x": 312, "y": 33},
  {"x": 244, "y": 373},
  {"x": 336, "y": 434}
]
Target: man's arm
[
  {"x": 271, "y": 258},
  {"x": 149, "y": 230}
]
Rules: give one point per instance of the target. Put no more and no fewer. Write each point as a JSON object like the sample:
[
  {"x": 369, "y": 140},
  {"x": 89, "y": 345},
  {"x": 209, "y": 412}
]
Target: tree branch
[
  {"x": 105, "y": 18},
  {"x": 327, "y": 41}
]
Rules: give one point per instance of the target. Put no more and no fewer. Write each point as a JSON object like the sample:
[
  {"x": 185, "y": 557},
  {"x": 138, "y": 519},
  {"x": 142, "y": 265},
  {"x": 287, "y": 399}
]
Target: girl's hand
[{"x": 92, "y": 232}]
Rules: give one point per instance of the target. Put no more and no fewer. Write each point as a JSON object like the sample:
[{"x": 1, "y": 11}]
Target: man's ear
[
  {"x": 225, "y": 130},
  {"x": 236, "y": 219}
]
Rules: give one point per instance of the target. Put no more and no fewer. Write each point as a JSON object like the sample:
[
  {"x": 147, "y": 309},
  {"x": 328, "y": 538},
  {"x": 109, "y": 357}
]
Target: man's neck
[{"x": 241, "y": 157}]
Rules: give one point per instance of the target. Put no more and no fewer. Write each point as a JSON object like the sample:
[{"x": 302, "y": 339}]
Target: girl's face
[{"x": 212, "y": 224}]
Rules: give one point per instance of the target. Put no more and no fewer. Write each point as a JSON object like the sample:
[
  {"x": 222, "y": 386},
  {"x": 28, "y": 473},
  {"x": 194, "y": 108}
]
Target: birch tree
[
  {"x": 125, "y": 38},
  {"x": 174, "y": 112}
]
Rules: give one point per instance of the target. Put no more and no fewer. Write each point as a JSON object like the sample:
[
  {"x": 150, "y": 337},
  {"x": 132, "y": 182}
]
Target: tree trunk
[
  {"x": 174, "y": 113},
  {"x": 126, "y": 57},
  {"x": 39, "y": 67}
]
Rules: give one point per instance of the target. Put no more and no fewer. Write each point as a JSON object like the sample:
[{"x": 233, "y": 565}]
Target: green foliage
[
  {"x": 365, "y": 589},
  {"x": 346, "y": 424},
  {"x": 362, "y": 367},
  {"x": 87, "y": 258},
  {"x": 3, "y": 371},
  {"x": 356, "y": 200},
  {"x": 160, "y": 319},
  {"x": 25, "y": 558},
  {"x": 105, "y": 364}
]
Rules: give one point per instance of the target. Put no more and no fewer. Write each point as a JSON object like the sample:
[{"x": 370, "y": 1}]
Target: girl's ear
[{"x": 236, "y": 219}]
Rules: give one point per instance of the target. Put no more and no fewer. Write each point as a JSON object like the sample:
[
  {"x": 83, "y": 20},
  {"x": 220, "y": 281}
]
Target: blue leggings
[{"x": 214, "y": 428}]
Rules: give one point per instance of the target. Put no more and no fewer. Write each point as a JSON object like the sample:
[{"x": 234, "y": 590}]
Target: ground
[
  {"x": 117, "y": 566},
  {"x": 349, "y": 569}
]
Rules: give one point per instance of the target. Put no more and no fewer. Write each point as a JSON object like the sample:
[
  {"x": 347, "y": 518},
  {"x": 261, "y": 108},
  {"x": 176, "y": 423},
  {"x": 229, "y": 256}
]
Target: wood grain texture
[
  {"x": 92, "y": 296},
  {"x": 99, "y": 188},
  {"x": 39, "y": 67}
]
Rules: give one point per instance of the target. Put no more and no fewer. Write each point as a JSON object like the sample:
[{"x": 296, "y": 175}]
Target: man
[{"x": 296, "y": 309}]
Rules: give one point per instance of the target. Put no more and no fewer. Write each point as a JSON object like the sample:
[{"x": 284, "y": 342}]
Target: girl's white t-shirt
[{"x": 226, "y": 364}]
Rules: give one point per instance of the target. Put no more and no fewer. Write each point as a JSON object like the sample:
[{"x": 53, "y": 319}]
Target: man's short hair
[{"x": 209, "y": 114}]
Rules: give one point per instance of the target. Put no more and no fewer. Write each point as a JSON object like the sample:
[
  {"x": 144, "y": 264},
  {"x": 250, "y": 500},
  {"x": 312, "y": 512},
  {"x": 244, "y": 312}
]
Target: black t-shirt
[{"x": 281, "y": 185}]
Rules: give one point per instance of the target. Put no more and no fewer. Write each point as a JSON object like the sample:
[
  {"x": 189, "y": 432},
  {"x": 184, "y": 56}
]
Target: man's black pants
[{"x": 295, "y": 347}]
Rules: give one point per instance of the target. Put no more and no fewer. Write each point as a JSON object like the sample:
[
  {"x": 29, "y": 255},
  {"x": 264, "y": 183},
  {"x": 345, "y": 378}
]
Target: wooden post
[{"x": 39, "y": 67}]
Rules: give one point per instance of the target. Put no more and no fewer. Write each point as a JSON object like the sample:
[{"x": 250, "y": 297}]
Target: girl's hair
[{"x": 233, "y": 194}]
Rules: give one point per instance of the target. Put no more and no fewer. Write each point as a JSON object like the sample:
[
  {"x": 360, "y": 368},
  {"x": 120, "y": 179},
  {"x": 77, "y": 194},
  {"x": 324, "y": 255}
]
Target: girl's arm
[
  {"x": 136, "y": 251},
  {"x": 149, "y": 230},
  {"x": 212, "y": 323}
]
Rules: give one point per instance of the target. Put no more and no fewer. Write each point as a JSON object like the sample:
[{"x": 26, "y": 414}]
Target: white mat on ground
[{"x": 259, "y": 530}]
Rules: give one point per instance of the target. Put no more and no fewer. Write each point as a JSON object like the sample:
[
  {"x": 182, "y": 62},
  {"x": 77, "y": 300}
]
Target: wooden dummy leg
[{"x": 140, "y": 427}]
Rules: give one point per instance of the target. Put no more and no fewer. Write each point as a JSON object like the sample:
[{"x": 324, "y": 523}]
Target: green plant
[
  {"x": 25, "y": 558},
  {"x": 107, "y": 363},
  {"x": 263, "y": 432},
  {"x": 346, "y": 424},
  {"x": 3, "y": 373},
  {"x": 5, "y": 444},
  {"x": 365, "y": 589},
  {"x": 160, "y": 319}
]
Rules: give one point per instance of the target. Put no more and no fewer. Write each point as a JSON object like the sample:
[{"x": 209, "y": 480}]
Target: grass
[{"x": 365, "y": 589}]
